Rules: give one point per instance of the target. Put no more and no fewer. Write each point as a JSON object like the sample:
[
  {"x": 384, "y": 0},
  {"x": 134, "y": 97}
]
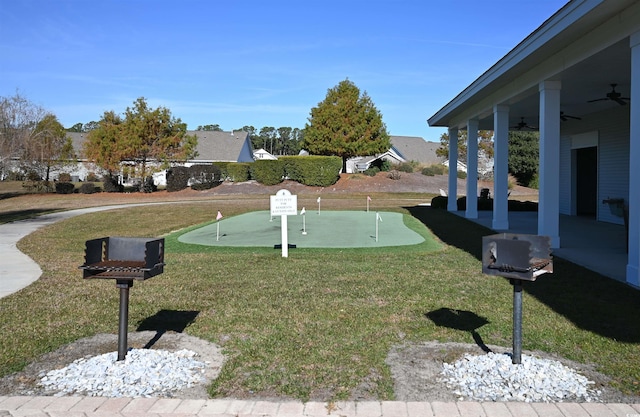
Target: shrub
[
  {"x": 486, "y": 204},
  {"x": 439, "y": 202},
  {"x": 434, "y": 170},
  {"x": 64, "y": 177},
  {"x": 268, "y": 172},
  {"x": 462, "y": 175},
  {"x": 371, "y": 171},
  {"x": 394, "y": 175},
  {"x": 382, "y": 165},
  {"x": 15, "y": 176},
  {"x": 237, "y": 172},
  {"x": 110, "y": 185},
  {"x": 515, "y": 205},
  {"x": 92, "y": 177},
  {"x": 64, "y": 188},
  {"x": 177, "y": 178},
  {"x": 204, "y": 177},
  {"x": 39, "y": 186},
  {"x": 89, "y": 188},
  {"x": 405, "y": 167},
  {"x": 148, "y": 186},
  {"x": 320, "y": 171},
  {"x": 33, "y": 176}
]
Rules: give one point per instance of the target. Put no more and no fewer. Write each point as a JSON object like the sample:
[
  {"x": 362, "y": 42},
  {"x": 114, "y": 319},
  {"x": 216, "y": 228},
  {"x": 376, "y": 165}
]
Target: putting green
[{"x": 329, "y": 229}]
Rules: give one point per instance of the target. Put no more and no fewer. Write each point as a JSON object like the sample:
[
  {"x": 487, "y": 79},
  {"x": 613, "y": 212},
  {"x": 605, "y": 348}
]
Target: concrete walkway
[
  {"x": 18, "y": 270},
  {"x": 157, "y": 407}
]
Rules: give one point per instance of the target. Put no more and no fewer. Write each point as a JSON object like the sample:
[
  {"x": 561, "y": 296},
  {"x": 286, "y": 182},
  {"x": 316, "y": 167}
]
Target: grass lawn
[{"x": 318, "y": 324}]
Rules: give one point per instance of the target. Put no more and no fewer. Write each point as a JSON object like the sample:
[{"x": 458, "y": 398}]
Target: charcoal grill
[
  {"x": 125, "y": 260},
  {"x": 520, "y": 258}
]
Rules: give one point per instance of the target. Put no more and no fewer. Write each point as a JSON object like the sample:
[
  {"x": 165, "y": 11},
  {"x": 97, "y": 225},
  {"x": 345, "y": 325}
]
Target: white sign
[{"x": 284, "y": 204}]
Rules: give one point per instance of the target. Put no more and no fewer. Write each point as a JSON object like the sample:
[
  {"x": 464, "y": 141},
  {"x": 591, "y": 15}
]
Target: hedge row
[
  {"x": 204, "y": 177},
  {"x": 268, "y": 172},
  {"x": 234, "y": 171},
  {"x": 484, "y": 204},
  {"x": 64, "y": 187},
  {"x": 320, "y": 171},
  {"x": 199, "y": 177}
]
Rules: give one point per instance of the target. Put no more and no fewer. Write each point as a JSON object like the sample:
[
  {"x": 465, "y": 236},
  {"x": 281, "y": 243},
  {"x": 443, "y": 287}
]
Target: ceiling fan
[
  {"x": 613, "y": 95},
  {"x": 565, "y": 117},
  {"x": 523, "y": 125}
]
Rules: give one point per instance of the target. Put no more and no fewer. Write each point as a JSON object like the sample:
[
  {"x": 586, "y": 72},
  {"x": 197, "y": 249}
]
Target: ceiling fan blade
[
  {"x": 620, "y": 101},
  {"x": 598, "y": 99},
  {"x": 564, "y": 117}
]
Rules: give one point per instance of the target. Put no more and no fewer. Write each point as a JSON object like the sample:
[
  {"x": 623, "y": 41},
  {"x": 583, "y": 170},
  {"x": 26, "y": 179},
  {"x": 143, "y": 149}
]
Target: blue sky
[{"x": 259, "y": 63}]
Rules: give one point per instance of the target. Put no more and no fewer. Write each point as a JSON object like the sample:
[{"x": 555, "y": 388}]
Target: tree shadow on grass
[
  {"x": 166, "y": 320},
  {"x": 591, "y": 301},
  {"x": 6, "y": 195},
  {"x": 12, "y": 216}
]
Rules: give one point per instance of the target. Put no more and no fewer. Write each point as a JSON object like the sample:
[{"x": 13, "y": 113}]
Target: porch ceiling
[
  {"x": 590, "y": 79},
  {"x": 587, "y": 50}
]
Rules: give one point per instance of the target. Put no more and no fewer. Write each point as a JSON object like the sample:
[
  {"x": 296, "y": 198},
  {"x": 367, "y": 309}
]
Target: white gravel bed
[
  {"x": 493, "y": 377},
  {"x": 143, "y": 373}
]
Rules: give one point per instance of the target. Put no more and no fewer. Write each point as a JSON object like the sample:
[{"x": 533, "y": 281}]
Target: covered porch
[{"x": 576, "y": 81}]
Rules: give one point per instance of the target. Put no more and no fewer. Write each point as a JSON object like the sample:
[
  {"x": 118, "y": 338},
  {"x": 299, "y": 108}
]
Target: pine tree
[{"x": 346, "y": 124}]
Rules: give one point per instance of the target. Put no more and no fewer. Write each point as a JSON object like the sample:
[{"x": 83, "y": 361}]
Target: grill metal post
[
  {"x": 123, "y": 319},
  {"x": 517, "y": 321},
  {"x": 126, "y": 260},
  {"x": 518, "y": 258}
]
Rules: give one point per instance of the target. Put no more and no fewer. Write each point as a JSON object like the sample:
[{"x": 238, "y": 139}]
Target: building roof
[
  {"x": 77, "y": 139},
  {"x": 218, "y": 146},
  {"x": 414, "y": 148},
  {"x": 212, "y": 146}
]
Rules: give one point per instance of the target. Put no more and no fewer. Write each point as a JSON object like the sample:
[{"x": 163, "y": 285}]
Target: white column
[
  {"x": 549, "y": 168},
  {"x": 472, "y": 169},
  {"x": 452, "y": 192},
  {"x": 500, "y": 167},
  {"x": 633, "y": 263}
]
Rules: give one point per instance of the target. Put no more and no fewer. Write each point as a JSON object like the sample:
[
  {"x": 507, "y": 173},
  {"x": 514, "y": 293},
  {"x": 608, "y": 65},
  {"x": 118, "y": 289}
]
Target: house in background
[
  {"x": 213, "y": 146},
  {"x": 403, "y": 149},
  {"x": 461, "y": 166},
  {"x": 263, "y": 154},
  {"x": 218, "y": 146},
  {"x": 576, "y": 79}
]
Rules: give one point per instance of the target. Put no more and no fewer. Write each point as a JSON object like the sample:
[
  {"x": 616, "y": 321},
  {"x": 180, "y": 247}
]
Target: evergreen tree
[
  {"x": 346, "y": 124},
  {"x": 524, "y": 156}
]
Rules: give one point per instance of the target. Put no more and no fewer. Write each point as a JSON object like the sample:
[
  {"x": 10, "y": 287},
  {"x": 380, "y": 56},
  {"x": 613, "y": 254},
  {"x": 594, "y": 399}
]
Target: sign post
[{"x": 284, "y": 204}]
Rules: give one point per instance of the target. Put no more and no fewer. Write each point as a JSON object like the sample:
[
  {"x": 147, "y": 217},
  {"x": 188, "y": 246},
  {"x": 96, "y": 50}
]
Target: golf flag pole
[
  {"x": 368, "y": 200},
  {"x": 218, "y": 217},
  {"x": 319, "y": 204},
  {"x": 378, "y": 219},
  {"x": 304, "y": 223}
]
